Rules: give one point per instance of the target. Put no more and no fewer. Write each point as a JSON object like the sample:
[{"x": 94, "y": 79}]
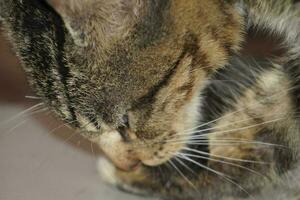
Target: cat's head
[{"x": 133, "y": 71}]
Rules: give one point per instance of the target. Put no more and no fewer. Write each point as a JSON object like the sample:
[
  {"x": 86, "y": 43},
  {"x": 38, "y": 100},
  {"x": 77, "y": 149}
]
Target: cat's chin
[{"x": 109, "y": 174}]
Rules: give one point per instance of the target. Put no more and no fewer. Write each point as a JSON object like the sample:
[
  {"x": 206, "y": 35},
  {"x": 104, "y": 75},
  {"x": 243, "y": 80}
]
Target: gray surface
[{"x": 35, "y": 165}]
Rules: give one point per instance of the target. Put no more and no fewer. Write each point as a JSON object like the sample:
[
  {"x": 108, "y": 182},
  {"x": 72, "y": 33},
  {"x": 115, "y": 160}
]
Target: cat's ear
[{"x": 108, "y": 17}]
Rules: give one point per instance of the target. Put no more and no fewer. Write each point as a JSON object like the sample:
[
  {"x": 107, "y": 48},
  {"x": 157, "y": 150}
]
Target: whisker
[
  {"x": 14, "y": 128},
  {"x": 61, "y": 126},
  {"x": 22, "y": 122},
  {"x": 65, "y": 140},
  {"x": 222, "y": 132},
  {"x": 184, "y": 165},
  {"x": 160, "y": 171},
  {"x": 231, "y": 141},
  {"x": 223, "y": 157},
  {"x": 208, "y": 123},
  {"x": 218, "y": 127},
  {"x": 24, "y": 112},
  {"x": 92, "y": 149},
  {"x": 38, "y": 111},
  {"x": 236, "y": 129},
  {"x": 215, "y": 172},
  {"x": 33, "y": 97},
  {"x": 237, "y": 111},
  {"x": 181, "y": 174},
  {"x": 224, "y": 162},
  {"x": 70, "y": 137}
]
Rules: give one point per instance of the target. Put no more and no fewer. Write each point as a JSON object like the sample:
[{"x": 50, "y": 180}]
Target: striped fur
[{"x": 135, "y": 75}]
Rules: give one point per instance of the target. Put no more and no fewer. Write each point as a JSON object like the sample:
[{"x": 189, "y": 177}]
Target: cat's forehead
[
  {"x": 124, "y": 48},
  {"x": 134, "y": 72},
  {"x": 128, "y": 79}
]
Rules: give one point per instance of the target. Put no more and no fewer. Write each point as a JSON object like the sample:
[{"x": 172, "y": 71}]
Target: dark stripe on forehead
[
  {"x": 63, "y": 69},
  {"x": 190, "y": 47},
  {"x": 149, "y": 97}
]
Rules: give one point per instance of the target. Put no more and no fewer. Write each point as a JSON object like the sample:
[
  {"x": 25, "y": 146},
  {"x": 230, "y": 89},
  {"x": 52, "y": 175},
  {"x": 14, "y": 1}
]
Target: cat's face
[{"x": 135, "y": 70}]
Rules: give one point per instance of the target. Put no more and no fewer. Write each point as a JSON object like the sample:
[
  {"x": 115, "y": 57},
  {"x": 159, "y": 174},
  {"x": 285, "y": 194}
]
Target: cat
[{"x": 166, "y": 90}]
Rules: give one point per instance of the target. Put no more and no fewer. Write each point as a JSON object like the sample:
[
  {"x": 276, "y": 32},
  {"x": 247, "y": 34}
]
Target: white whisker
[
  {"x": 224, "y": 162},
  {"x": 227, "y": 178},
  {"x": 223, "y": 157},
  {"x": 184, "y": 165},
  {"x": 24, "y": 112},
  {"x": 236, "y": 129},
  {"x": 33, "y": 97},
  {"x": 181, "y": 174},
  {"x": 61, "y": 126},
  {"x": 14, "y": 128},
  {"x": 231, "y": 141},
  {"x": 235, "y": 112},
  {"x": 208, "y": 129}
]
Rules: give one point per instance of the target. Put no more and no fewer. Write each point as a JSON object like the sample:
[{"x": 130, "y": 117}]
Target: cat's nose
[{"x": 118, "y": 150}]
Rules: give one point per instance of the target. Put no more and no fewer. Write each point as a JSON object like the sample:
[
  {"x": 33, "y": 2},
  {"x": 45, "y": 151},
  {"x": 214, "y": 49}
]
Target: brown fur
[{"x": 132, "y": 75}]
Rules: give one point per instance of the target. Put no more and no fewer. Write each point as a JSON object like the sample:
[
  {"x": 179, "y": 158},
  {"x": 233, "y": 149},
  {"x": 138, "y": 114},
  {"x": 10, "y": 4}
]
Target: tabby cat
[{"x": 169, "y": 91}]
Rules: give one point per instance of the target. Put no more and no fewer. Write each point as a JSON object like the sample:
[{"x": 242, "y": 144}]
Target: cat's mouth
[
  {"x": 129, "y": 156},
  {"x": 183, "y": 158}
]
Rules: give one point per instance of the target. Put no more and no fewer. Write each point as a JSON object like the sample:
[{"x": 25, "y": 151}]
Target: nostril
[
  {"x": 123, "y": 129},
  {"x": 125, "y": 120}
]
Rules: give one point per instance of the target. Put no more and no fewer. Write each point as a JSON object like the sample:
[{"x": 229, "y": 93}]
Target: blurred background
[{"x": 40, "y": 159}]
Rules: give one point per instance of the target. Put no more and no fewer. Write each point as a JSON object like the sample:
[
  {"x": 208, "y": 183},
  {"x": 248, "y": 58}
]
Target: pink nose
[{"x": 118, "y": 151}]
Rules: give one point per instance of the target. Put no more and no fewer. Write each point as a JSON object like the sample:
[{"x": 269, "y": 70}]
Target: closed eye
[{"x": 149, "y": 97}]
